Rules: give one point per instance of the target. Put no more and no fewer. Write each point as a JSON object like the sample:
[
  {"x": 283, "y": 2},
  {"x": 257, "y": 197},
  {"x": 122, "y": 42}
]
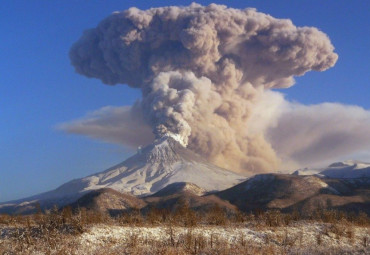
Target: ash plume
[{"x": 202, "y": 70}]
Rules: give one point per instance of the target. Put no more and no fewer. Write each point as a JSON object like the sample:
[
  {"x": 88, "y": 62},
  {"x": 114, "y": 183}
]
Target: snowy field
[
  {"x": 299, "y": 238},
  {"x": 48, "y": 236},
  {"x": 304, "y": 238}
]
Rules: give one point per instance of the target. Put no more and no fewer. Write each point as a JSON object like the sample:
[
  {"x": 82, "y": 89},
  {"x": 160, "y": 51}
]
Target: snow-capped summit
[
  {"x": 155, "y": 166},
  {"x": 343, "y": 170},
  {"x": 347, "y": 169}
]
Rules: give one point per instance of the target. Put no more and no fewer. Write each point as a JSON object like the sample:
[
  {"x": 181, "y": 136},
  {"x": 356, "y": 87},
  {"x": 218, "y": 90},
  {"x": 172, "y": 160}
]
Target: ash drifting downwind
[{"x": 203, "y": 71}]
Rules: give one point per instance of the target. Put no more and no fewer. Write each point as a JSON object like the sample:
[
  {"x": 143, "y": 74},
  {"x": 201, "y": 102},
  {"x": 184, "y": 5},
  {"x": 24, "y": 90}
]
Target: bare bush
[{"x": 216, "y": 216}]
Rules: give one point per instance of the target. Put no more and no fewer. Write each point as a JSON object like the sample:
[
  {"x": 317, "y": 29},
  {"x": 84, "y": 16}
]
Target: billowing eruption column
[{"x": 201, "y": 70}]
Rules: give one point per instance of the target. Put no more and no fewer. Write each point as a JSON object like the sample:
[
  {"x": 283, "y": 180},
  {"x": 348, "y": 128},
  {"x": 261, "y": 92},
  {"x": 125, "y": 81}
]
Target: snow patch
[{"x": 304, "y": 233}]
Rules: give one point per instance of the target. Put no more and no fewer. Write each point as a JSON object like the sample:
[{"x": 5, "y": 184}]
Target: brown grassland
[{"x": 184, "y": 231}]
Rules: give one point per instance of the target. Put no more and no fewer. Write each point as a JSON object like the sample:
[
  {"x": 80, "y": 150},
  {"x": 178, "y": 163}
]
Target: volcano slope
[
  {"x": 165, "y": 174},
  {"x": 151, "y": 169}
]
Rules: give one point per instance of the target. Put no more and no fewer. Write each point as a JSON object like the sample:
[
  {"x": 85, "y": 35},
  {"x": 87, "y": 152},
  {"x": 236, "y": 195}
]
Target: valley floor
[{"x": 303, "y": 237}]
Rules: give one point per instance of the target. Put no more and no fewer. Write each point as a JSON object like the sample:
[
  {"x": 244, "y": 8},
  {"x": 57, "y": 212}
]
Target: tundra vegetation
[{"x": 184, "y": 231}]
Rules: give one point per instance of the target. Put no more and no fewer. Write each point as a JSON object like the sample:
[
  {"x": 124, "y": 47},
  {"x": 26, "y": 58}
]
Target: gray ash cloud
[{"x": 202, "y": 70}]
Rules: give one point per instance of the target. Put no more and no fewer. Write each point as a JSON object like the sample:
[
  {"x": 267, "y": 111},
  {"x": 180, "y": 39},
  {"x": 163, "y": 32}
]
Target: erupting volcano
[
  {"x": 151, "y": 169},
  {"x": 205, "y": 74}
]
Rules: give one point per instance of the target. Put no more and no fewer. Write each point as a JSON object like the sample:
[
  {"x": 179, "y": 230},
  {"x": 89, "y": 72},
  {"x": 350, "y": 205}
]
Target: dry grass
[{"x": 60, "y": 232}]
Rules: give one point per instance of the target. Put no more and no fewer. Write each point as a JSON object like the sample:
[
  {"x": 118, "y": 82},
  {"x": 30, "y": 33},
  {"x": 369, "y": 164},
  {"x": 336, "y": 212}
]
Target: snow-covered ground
[{"x": 303, "y": 236}]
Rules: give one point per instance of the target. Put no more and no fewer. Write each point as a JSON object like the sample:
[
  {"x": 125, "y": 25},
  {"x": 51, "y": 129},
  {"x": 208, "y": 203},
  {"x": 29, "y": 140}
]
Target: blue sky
[{"x": 39, "y": 88}]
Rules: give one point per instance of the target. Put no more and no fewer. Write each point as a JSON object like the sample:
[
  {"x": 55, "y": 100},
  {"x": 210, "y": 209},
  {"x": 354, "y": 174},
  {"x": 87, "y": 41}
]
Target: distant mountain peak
[
  {"x": 355, "y": 163},
  {"x": 344, "y": 170}
]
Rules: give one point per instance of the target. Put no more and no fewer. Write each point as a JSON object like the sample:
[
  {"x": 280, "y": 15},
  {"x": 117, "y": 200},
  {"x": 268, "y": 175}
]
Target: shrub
[{"x": 216, "y": 216}]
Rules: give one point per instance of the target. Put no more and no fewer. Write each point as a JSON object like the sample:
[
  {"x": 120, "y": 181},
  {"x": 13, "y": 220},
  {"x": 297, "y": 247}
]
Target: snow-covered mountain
[
  {"x": 152, "y": 168},
  {"x": 307, "y": 171},
  {"x": 159, "y": 164},
  {"x": 347, "y": 169},
  {"x": 343, "y": 170},
  {"x": 166, "y": 167}
]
